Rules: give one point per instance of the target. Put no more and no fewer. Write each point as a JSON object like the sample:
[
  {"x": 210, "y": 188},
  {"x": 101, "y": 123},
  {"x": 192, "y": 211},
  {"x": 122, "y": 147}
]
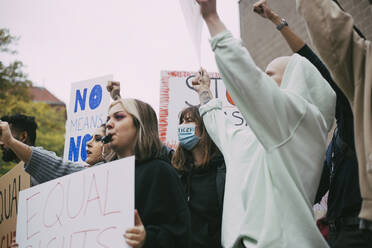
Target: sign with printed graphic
[
  {"x": 177, "y": 93},
  {"x": 87, "y": 111},
  {"x": 91, "y": 208},
  {"x": 10, "y": 185}
]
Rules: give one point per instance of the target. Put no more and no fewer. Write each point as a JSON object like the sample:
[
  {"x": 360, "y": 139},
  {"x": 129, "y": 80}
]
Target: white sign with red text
[
  {"x": 177, "y": 93},
  {"x": 91, "y": 208}
]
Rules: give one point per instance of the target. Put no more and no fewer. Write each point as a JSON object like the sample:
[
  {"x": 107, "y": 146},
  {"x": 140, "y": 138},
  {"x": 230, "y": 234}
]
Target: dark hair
[
  {"x": 182, "y": 156},
  {"x": 23, "y": 123}
]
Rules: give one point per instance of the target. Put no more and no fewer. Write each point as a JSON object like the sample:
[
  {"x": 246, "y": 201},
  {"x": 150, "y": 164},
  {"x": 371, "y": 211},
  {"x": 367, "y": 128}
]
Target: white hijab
[{"x": 304, "y": 79}]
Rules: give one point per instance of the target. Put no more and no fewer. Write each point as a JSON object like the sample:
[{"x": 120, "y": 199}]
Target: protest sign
[
  {"x": 10, "y": 185},
  {"x": 91, "y": 208},
  {"x": 177, "y": 93},
  {"x": 87, "y": 111}
]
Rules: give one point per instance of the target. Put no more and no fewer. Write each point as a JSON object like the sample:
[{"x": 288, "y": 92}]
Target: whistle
[{"x": 106, "y": 139}]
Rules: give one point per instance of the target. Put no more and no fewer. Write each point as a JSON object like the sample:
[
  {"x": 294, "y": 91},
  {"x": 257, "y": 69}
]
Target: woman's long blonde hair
[{"x": 148, "y": 144}]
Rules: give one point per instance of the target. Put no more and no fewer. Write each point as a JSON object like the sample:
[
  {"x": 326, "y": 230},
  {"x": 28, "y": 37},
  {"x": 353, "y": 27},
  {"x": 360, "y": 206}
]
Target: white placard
[
  {"x": 194, "y": 23},
  {"x": 177, "y": 93},
  {"x": 91, "y": 208},
  {"x": 89, "y": 102}
]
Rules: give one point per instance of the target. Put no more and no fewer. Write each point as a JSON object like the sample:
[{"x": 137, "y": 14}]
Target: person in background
[
  {"x": 340, "y": 173},
  {"x": 202, "y": 170},
  {"x": 348, "y": 56},
  {"x": 23, "y": 128}
]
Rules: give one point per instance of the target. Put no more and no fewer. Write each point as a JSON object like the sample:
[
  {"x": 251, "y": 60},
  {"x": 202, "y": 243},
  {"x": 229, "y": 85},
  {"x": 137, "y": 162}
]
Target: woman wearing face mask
[
  {"x": 162, "y": 217},
  {"x": 44, "y": 165},
  {"x": 202, "y": 170}
]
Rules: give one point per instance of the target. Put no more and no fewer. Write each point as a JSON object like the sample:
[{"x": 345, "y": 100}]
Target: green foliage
[
  {"x": 14, "y": 98},
  {"x": 13, "y": 82}
]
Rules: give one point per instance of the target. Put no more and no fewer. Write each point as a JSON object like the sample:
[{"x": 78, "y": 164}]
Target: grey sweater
[{"x": 46, "y": 165}]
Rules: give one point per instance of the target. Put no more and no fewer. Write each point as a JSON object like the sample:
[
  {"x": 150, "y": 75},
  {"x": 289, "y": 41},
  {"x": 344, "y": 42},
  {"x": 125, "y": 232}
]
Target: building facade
[{"x": 265, "y": 43}]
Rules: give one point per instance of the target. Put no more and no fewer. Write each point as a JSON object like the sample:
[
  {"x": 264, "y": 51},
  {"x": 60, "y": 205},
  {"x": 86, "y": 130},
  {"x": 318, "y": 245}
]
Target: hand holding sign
[
  {"x": 14, "y": 244},
  {"x": 136, "y": 235}
]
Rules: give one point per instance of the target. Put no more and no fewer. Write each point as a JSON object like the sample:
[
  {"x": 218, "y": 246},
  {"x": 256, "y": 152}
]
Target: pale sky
[{"x": 64, "y": 41}]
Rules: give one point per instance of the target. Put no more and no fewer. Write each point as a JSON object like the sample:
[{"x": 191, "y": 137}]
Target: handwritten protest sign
[
  {"x": 91, "y": 208},
  {"x": 10, "y": 185},
  {"x": 177, "y": 93},
  {"x": 87, "y": 111}
]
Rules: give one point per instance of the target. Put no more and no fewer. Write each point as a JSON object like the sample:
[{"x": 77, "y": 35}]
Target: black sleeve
[
  {"x": 324, "y": 179},
  {"x": 344, "y": 114},
  {"x": 163, "y": 209},
  {"x": 323, "y": 184}
]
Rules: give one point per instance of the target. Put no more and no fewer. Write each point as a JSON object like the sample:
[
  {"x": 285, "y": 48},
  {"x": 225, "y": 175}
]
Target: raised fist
[
  {"x": 261, "y": 7},
  {"x": 114, "y": 89},
  {"x": 201, "y": 81},
  {"x": 5, "y": 133}
]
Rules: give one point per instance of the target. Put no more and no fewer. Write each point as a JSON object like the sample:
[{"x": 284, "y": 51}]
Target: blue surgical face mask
[{"x": 187, "y": 137}]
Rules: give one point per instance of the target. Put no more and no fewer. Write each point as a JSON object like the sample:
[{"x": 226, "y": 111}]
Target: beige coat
[{"x": 349, "y": 58}]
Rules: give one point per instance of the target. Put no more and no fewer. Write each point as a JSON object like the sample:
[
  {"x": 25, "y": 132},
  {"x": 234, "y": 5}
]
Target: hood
[{"x": 304, "y": 79}]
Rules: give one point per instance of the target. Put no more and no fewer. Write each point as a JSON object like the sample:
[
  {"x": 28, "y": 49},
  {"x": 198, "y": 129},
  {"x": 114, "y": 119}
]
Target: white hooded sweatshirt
[{"x": 273, "y": 165}]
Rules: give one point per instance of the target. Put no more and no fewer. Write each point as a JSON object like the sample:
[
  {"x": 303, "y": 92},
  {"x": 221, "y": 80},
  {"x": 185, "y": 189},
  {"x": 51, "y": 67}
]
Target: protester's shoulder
[
  {"x": 158, "y": 166},
  {"x": 166, "y": 153}
]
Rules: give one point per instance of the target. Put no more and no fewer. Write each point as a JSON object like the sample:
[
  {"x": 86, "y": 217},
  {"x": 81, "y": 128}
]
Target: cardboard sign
[
  {"x": 10, "y": 185},
  {"x": 177, "y": 93},
  {"x": 87, "y": 111},
  {"x": 91, "y": 208}
]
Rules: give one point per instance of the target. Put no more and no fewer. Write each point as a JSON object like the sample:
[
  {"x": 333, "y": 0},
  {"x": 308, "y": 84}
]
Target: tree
[
  {"x": 14, "y": 98},
  {"x": 13, "y": 82}
]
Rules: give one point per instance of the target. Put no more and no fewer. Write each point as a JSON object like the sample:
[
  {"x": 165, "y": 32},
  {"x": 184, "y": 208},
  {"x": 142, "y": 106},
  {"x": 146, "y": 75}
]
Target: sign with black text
[
  {"x": 10, "y": 185},
  {"x": 177, "y": 93}
]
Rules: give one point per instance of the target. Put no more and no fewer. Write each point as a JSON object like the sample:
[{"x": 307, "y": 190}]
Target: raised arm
[
  {"x": 343, "y": 111},
  {"x": 41, "y": 164},
  {"x": 210, "y": 16},
  {"x": 294, "y": 41},
  {"x": 340, "y": 47},
  {"x": 223, "y": 132}
]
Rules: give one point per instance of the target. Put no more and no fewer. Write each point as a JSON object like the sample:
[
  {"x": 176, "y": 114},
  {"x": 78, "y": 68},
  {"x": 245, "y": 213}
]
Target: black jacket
[
  {"x": 204, "y": 190},
  {"x": 161, "y": 205},
  {"x": 340, "y": 172}
]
